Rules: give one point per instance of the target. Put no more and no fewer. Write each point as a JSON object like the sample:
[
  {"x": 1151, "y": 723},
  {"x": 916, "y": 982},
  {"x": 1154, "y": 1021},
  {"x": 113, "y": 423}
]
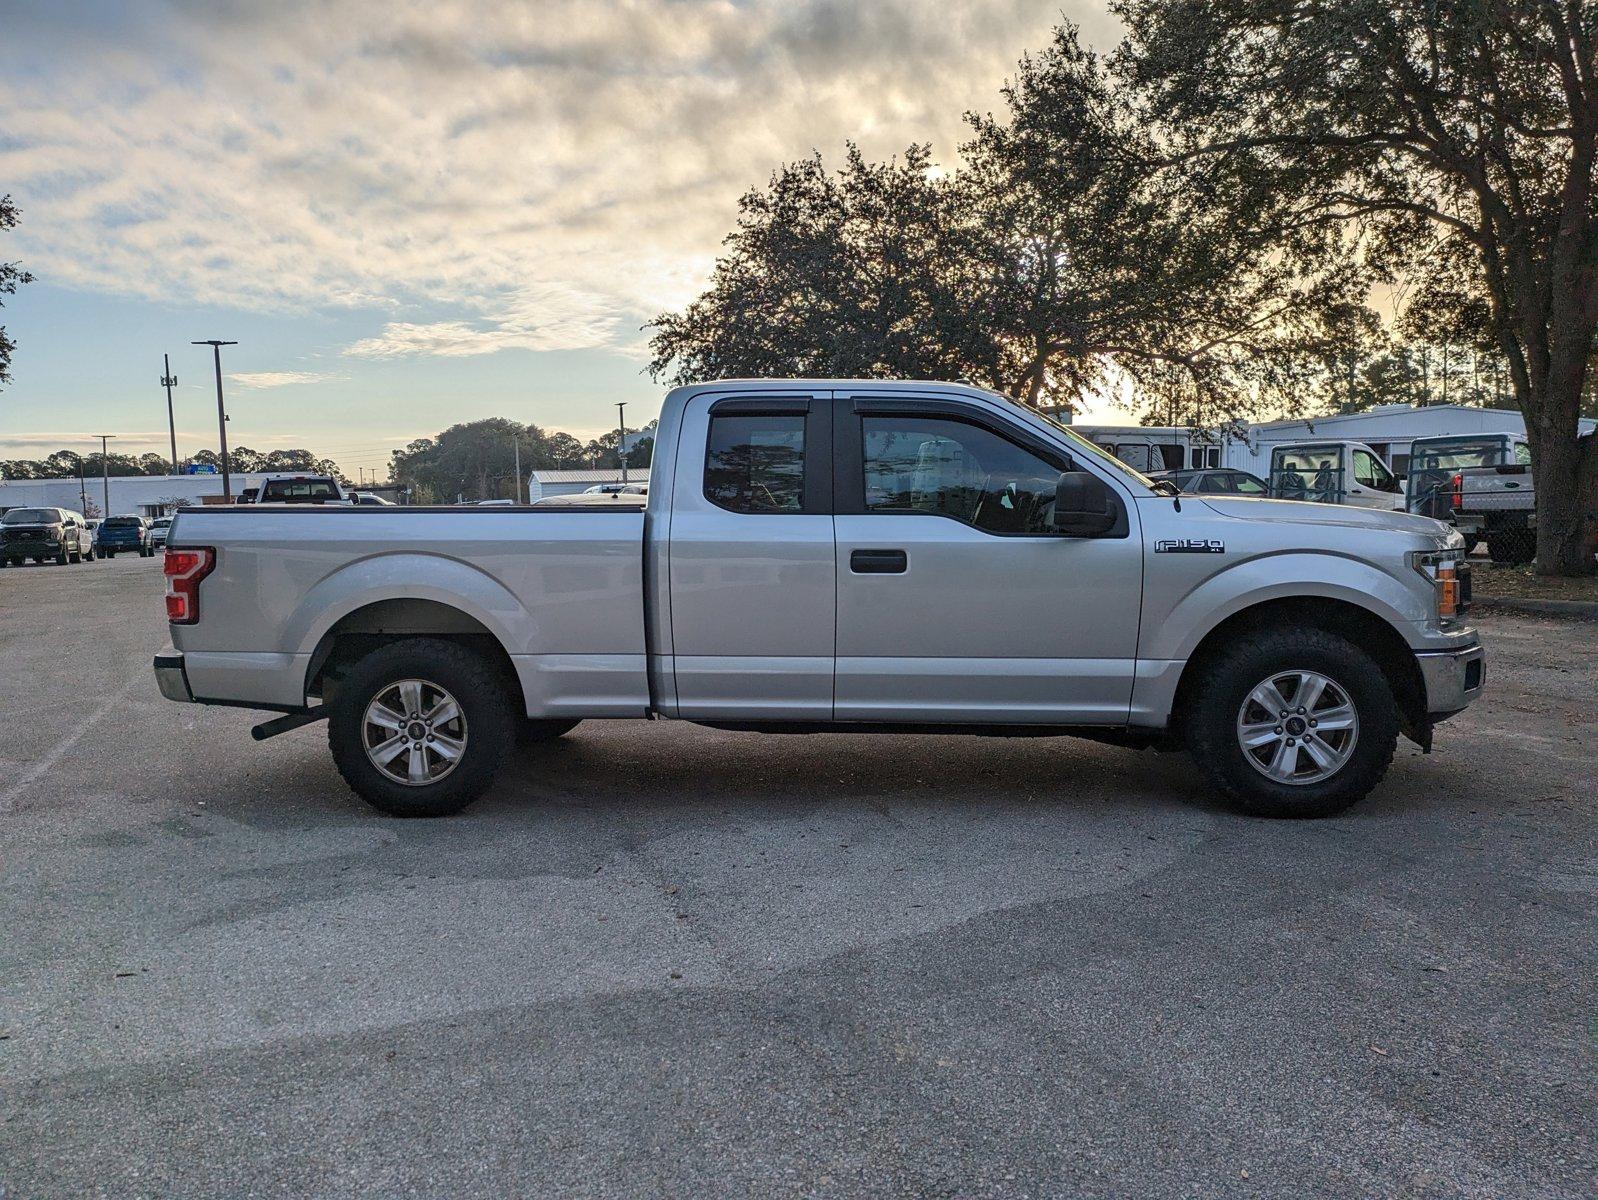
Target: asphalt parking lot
[{"x": 665, "y": 961}]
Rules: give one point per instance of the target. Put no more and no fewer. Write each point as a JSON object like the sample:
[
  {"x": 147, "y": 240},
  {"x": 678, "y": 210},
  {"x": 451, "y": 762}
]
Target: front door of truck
[
  {"x": 752, "y": 582},
  {"x": 957, "y": 599}
]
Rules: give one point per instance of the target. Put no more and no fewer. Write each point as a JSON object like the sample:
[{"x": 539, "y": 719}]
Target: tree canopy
[
  {"x": 1204, "y": 224},
  {"x": 12, "y": 276}
]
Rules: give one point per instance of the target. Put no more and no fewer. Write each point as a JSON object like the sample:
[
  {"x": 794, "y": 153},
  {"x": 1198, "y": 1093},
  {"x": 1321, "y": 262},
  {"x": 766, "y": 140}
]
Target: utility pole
[
  {"x": 621, "y": 446},
  {"x": 221, "y": 414},
  {"x": 170, "y": 381},
  {"x": 83, "y": 494},
  {"x": 516, "y": 492},
  {"x": 105, "y": 471}
]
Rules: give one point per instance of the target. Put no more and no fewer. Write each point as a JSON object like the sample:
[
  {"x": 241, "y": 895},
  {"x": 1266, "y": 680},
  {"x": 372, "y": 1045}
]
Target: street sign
[{"x": 198, "y": 469}]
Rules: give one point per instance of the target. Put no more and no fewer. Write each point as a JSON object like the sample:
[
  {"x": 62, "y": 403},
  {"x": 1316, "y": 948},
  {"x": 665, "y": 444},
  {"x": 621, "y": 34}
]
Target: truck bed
[{"x": 560, "y": 588}]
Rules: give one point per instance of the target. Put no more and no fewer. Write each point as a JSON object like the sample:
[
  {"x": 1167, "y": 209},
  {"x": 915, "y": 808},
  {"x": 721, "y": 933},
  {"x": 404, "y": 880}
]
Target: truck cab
[{"x": 1334, "y": 472}]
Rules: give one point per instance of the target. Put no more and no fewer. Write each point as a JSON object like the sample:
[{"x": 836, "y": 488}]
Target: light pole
[
  {"x": 105, "y": 472},
  {"x": 516, "y": 491},
  {"x": 83, "y": 493},
  {"x": 621, "y": 446},
  {"x": 170, "y": 381},
  {"x": 221, "y": 414}
]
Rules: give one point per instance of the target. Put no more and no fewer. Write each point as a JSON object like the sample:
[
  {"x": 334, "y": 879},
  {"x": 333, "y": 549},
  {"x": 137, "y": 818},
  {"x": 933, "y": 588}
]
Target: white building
[
  {"x": 566, "y": 483},
  {"x": 1389, "y": 430},
  {"x": 139, "y": 495}
]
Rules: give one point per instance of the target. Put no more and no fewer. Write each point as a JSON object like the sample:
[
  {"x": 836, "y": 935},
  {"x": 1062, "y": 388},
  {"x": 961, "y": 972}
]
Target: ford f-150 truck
[{"x": 821, "y": 555}]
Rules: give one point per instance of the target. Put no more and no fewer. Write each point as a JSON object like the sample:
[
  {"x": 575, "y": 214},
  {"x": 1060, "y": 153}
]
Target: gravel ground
[{"x": 665, "y": 961}]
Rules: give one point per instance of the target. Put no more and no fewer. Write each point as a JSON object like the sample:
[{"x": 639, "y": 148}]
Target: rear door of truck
[{"x": 752, "y": 583}]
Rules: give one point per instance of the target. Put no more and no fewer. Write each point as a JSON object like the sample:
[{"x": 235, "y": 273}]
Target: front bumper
[
  {"x": 171, "y": 678},
  {"x": 1453, "y": 678}
]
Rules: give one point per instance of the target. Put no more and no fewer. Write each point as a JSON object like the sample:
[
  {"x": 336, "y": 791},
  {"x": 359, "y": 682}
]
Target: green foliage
[
  {"x": 476, "y": 460},
  {"x": 12, "y": 276},
  {"x": 1456, "y": 141}
]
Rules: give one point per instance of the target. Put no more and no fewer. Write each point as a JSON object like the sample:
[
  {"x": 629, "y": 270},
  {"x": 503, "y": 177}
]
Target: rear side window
[
  {"x": 756, "y": 464},
  {"x": 299, "y": 489}
]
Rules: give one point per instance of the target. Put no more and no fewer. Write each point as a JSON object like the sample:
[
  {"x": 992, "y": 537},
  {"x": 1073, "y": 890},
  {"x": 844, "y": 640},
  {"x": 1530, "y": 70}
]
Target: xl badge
[{"x": 1189, "y": 546}]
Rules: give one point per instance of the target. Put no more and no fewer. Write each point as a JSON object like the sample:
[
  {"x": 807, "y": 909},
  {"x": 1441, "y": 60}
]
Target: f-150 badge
[{"x": 1189, "y": 546}]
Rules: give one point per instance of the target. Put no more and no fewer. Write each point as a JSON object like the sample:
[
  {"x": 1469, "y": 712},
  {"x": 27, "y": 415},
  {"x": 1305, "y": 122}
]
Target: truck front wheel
[
  {"x": 418, "y": 728},
  {"x": 1292, "y": 723}
]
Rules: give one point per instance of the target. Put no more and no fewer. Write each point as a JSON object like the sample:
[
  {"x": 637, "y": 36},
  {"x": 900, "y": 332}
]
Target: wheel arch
[
  {"x": 360, "y": 630},
  {"x": 1357, "y": 623}
]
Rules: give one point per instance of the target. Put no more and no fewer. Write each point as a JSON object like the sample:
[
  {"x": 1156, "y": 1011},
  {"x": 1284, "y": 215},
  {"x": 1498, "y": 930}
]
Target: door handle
[{"x": 879, "y": 562}]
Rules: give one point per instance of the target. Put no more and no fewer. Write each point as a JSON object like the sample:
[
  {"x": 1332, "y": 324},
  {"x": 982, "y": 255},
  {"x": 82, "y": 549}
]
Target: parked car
[
  {"x": 839, "y": 556},
  {"x": 44, "y": 533},
  {"x": 300, "y": 488},
  {"x": 371, "y": 500},
  {"x": 1334, "y": 473},
  {"x": 1218, "y": 481},
  {"x": 128, "y": 532},
  {"x": 617, "y": 489},
  {"x": 158, "y": 531}
]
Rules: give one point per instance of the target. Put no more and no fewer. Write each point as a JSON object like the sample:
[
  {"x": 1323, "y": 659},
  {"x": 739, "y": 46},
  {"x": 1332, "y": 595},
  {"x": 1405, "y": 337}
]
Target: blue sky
[{"x": 412, "y": 213}]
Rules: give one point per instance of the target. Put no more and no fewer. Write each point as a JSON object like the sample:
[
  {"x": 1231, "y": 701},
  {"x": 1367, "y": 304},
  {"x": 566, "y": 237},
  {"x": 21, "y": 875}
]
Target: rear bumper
[
  {"x": 1453, "y": 678},
  {"x": 171, "y": 678}
]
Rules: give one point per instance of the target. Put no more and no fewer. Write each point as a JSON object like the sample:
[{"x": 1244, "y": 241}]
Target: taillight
[
  {"x": 183, "y": 570},
  {"x": 1459, "y": 491}
]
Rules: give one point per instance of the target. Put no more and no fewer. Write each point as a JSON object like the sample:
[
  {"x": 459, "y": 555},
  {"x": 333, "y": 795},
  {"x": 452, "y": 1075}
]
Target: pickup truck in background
[
  {"x": 1482, "y": 484},
  {"x": 837, "y": 556},
  {"x": 1332, "y": 472}
]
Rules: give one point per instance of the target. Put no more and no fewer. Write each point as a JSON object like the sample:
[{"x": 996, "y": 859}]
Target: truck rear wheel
[
  {"x": 1292, "y": 723},
  {"x": 418, "y": 728}
]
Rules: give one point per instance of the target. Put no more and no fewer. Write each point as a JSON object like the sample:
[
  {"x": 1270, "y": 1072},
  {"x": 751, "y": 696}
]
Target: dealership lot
[{"x": 666, "y": 960}]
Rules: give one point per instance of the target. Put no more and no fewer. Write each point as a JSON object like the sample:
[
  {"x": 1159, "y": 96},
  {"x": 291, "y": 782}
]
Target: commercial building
[
  {"x": 139, "y": 495},
  {"x": 542, "y": 484},
  {"x": 1389, "y": 430}
]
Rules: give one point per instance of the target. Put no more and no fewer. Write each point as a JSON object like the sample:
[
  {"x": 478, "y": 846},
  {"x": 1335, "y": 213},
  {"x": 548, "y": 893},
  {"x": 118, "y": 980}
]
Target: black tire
[
  {"x": 1214, "y": 705},
  {"x": 110, "y": 553},
  {"x": 534, "y": 732},
  {"x": 478, "y": 688},
  {"x": 62, "y": 558},
  {"x": 1512, "y": 545}
]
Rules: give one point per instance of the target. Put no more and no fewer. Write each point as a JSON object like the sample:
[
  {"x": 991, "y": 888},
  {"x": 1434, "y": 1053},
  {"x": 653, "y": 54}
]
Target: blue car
[{"x": 123, "y": 533}]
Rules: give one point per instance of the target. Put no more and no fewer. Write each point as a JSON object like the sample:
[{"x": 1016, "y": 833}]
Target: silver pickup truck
[{"x": 837, "y": 556}]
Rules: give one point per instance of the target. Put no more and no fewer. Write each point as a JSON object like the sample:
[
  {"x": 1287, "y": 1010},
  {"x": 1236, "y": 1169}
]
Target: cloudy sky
[{"x": 410, "y": 213}]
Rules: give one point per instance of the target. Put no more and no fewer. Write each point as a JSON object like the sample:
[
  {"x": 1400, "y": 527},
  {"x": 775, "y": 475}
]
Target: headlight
[{"x": 1449, "y": 576}]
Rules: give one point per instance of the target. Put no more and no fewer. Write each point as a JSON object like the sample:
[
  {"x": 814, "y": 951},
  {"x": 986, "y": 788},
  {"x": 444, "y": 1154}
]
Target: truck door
[
  {"x": 750, "y": 558},
  {"x": 1371, "y": 484},
  {"x": 957, "y": 599}
]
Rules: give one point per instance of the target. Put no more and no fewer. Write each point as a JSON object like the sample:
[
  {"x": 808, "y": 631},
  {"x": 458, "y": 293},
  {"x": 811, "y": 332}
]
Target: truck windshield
[
  {"x": 1456, "y": 456},
  {"x": 31, "y": 516},
  {"x": 1086, "y": 449}
]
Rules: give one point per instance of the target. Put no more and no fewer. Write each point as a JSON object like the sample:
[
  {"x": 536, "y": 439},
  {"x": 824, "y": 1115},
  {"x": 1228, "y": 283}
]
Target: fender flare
[
  {"x": 409, "y": 575},
  {"x": 1285, "y": 575}
]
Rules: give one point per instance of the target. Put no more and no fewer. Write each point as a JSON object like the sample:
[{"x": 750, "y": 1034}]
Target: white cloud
[
  {"x": 496, "y": 175},
  {"x": 275, "y": 379}
]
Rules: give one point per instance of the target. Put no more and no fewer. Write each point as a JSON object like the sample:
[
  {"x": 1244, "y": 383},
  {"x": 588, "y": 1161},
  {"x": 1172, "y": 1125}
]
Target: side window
[
  {"x": 756, "y": 464},
  {"x": 1218, "y": 482},
  {"x": 952, "y": 469},
  {"x": 1522, "y": 454},
  {"x": 1137, "y": 455},
  {"x": 1365, "y": 469},
  {"x": 1172, "y": 455},
  {"x": 1248, "y": 487}
]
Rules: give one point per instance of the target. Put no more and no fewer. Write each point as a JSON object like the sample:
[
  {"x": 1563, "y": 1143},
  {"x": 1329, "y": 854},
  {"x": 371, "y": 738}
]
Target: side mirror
[{"x": 1083, "y": 506}]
